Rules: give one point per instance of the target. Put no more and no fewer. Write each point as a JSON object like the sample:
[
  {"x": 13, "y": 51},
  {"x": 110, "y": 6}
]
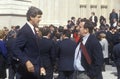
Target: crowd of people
[{"x": 78, "y": 50}]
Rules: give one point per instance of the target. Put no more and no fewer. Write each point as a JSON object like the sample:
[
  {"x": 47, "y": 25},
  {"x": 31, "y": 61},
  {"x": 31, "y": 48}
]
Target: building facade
[
  {"x": 12, "y": 12},
  {"x": 57, "y": 12}
]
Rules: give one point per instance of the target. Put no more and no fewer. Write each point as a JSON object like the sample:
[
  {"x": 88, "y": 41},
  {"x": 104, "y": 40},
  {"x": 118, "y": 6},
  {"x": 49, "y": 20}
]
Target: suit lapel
[{"x": 30, "y": 32}]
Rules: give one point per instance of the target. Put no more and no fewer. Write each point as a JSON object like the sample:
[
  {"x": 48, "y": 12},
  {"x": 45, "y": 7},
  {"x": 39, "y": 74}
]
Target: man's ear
[
  {"x": 86, "y": 30},
  {"x": 31, "y": 17}
]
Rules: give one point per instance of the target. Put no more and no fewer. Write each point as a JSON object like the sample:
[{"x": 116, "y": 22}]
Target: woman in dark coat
[
  {"x": 3, "y": 58},
  {"x": 2, "y": 67}
]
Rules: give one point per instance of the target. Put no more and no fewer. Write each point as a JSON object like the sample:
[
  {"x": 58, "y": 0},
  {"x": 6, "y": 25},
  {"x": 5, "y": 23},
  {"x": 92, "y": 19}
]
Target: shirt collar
[
  {"x": 45, "y": 37},
  {"x": 85, "y": 38},
  {"x": 65, "y": 38},
  {"x": 31, "y": 26}
]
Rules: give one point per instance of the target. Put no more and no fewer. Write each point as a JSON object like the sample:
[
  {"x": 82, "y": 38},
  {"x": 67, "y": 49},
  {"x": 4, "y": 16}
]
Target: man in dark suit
[
  {"x": 94, "y": 19},
  {"x": 52, "y": 31},
  {"x": 84, "y": 68},
  {"x": 65, "y": 54},
  {"x": 12, "y": 61},
  {"x": 26, "y": 47},
  {"x": 48, "y": 53},
  {"x": 113, "y": 15},
  {"x": 72, "y": 24},
  {"x": 116, "y": 52}
]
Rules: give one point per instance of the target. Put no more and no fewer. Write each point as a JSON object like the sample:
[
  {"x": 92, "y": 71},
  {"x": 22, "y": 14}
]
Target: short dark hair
[
  {"x": 67, "y": 33},
  {"x": 17, "y": 27},
  {"x": 72, "y": 17},
  {"x": 45, "y": 32},
  {"x": 93, "y": 13},
  {"x": 32, "y": 12},
  {"x": 68, "y": 21},
  {"x": 88, "y": 24}
]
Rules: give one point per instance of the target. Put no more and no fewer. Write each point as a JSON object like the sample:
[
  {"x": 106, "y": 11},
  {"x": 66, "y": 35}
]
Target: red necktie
[{"x": 85, "y": 53}]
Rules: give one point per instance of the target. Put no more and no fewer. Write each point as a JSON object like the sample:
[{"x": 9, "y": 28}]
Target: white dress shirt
[{"x": 77, "y": 59}]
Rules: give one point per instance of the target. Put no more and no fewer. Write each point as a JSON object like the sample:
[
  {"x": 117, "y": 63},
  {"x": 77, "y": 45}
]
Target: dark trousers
[
  {"x": 49, "y": 73},
  {"x": 118, "y": 71},
  {"x": 13, "y": 69},
  {"x": 65, "y": 75},
  {"x": 24, "y": 74},
  {"x": 13, "y": 73},
  {"x": 99, "y": 76}
]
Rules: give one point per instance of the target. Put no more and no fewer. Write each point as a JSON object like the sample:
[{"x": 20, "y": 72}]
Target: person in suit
[
  {"x": 102, "y": 23},
  {"x": 84, "y": 68},
  {"x": 48, "y": 53},
  {"x": 113, "y": 15},
  {"x": 94, "y": 19},
  {"x": 52, "y": 31},
  {"x": 104, "y": 43},
  {"x": 65, "y": 54},
  {"x": 26, "y": 47},
  {"x": 116, "y": 52},
  {"x": 69, "y": 24},
  {"x": 72, "y": 24},
  {"x": 12, "y": 61}
]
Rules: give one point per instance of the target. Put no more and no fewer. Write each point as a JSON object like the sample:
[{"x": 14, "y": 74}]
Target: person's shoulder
[
  {"x": 93, "y": 38},
  {"x": 24, "y": 27},
  {"x": 1, "y": 42},
  {"x": 117, "y": 45}
]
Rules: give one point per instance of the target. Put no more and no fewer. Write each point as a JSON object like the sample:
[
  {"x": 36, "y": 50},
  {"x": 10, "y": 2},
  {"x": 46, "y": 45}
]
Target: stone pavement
[{"x": 110, "y": 72}]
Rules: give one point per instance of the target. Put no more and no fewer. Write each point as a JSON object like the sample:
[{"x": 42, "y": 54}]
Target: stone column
[
  {"x": 56, "y": 12},
  {"x": 44, "y": 9},
  {"x": 63, "y": 10},
  {"x": 83, "y": 9}
]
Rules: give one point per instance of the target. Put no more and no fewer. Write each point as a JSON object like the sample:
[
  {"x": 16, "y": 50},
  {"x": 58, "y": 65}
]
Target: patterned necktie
[{"x": 85, "y": 53}]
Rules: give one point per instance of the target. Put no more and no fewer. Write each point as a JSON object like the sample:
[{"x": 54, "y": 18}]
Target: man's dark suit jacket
[
  {"x": 112, "y": 16},
  {"x": 48, "y": 54},
  {"x": 95, "y": 51},
  {"x": 66, "y": 55},
  {"x": 26, "y": 48},
  {"x": 72, "y": 24},
  {"x": 116, "y": 52},
  {"x": 95, "y": 19}
]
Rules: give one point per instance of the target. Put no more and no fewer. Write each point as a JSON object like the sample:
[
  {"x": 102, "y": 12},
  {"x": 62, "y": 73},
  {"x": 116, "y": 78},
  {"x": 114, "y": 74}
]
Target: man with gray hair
[{"x": 26, "y": 47}]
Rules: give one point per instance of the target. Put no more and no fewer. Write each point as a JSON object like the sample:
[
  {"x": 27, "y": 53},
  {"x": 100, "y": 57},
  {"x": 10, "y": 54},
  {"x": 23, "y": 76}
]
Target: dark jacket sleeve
[{"x": 96, "y": 56}]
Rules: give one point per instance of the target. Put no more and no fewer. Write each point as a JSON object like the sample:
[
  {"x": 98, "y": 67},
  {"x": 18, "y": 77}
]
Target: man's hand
[
  {"x": 29, "y": 66},
  {"x": 42, "y": 71}
]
